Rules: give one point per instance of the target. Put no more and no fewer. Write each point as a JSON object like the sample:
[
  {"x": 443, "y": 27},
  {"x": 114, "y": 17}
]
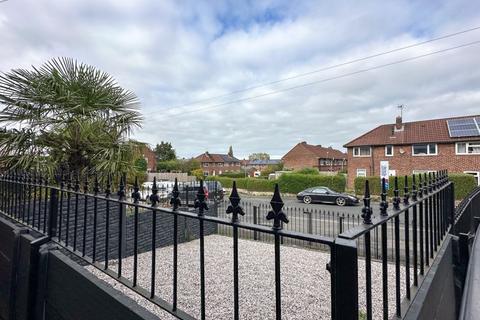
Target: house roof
[
  {"x": 215, "y": 157},
  {"x": 317, "y": 151},
  {"x": 434, "y": 130}
]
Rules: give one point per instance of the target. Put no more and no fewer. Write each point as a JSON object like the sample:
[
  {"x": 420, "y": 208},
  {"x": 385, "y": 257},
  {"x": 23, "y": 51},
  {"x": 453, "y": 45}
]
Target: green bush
[
  {"x": 464, "y": 184},
  {"x": 288, "y": 183},
  {"x": 307, "y": 171},
  {"x": 235, "y": 175},
  {"x": 294, "y": 182}
]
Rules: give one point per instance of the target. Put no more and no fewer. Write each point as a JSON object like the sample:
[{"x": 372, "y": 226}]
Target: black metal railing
[
  {"x": 427, "y": 213},
  {"x": 104, "y": 228},
  {"x": 94, "y": 223}
]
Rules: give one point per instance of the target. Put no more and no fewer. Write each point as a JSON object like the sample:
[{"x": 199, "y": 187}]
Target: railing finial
[
  {"x": 154, "y": 198},
  {"x": 396, "y": 195},
  {"x": 277, "y": 213},
  {"x": 234, "y": 208},
  {"x": 384, "y": 203},
  {"x": 135, "y": 194},
  {"x": 200, "y": 200},
  {"x": 430, "y": 186},
  {"x": 121, "y": 187},
  {"x": 85, "y": 184},
  {"x": 406, "y": 195},
  {"x": 414, "y": 188},
  {"x": 425, "y": 183},
  {"x": 367, "y": 210},
  {"x": 175, "y": 200},
  {"x": 96, "y": 186},
  {"x": 108, "y": 189}
]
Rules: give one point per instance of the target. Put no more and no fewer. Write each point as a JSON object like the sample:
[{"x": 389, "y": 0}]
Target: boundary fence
[{"x": 55, "y": 210}]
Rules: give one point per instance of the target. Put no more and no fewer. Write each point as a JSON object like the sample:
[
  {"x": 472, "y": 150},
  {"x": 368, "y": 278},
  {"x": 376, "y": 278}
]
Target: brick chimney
[{"x": 398, "y": 124}]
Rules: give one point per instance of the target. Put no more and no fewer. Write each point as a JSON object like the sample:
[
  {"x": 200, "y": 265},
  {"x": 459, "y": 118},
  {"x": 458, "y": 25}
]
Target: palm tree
[{"x": 67, "y": 115}]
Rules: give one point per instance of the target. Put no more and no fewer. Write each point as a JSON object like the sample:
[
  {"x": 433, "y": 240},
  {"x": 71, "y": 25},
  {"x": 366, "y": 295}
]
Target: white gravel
[{"x": 305, "y": 281}]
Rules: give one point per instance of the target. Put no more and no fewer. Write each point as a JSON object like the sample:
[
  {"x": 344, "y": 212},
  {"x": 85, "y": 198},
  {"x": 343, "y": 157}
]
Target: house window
[
  {"x": 427, "y": 149},
  {"x": 220, "y": 164},
  {"x": 205, "y": 173},
  {"x": 361, "y": 172},
  {"x": 389, "y": 150},
  {"x": 476, "y": 174},
  {"x": 205, "y": 164},
  {"x": 362, "y": 151},
  {"x": 467, "y": 147},
  {"x": 423, "y": 171}
]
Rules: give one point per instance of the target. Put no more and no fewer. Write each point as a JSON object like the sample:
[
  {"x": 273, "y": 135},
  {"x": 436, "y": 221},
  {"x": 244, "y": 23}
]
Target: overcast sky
[{"x": 172, "y": 53}]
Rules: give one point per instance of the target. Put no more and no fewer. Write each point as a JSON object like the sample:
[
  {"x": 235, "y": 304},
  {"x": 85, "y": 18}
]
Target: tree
[
  {"x": 259, "y": 156},
  {"x": 230, "y": 151},
  {"x": 165, "y": 152},
  {"x": 67, "y": 115},
  {"x": 141, "y": 165},
  {"x": 198, "y": 173}
]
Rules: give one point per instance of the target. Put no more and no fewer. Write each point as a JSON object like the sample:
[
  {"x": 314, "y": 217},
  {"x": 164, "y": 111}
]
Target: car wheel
[
  {"x": 340, "y": 201},
  {"x": 307, "y": 199}
]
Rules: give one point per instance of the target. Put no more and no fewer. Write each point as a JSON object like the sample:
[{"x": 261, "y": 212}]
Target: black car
[{"x": 324, "y": 194}]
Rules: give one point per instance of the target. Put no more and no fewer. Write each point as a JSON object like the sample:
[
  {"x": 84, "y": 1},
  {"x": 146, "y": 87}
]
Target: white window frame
[
  {"x": 466, "y": 148},
  {"x": 422, "y": 171},
  {"x": 361, "y": 170},
  {"x": 428, "y": 150},
  {"x": 359, "y": 155},
  {"x": 205, "y": 164},
  {"x": 476, "y": 174},
  {"x": 386, "y": 154}
]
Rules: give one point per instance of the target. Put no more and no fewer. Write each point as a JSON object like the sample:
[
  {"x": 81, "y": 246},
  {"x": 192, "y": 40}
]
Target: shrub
[
  {"x": 235, "y": 175},
  {"x": 464, "y": 184},
  {"x": 288, "y": 183},
  {"x": 307, "y": 171},
  {"x": 294, "y": 182}
]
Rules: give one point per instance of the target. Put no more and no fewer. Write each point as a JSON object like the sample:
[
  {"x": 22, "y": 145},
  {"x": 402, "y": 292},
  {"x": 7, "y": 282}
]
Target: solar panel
[{"x": 466, "y": 127}]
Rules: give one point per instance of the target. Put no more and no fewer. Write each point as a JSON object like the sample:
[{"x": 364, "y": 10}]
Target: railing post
[
  {"x": 52, "y": 213},
  {"x": 344, "y": 272},
  {"x": 451, "y": 208},
  {"x": 255, "y": 221}
]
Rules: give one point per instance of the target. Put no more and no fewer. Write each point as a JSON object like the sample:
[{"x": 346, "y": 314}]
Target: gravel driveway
[{"x": 305, "y": 281}]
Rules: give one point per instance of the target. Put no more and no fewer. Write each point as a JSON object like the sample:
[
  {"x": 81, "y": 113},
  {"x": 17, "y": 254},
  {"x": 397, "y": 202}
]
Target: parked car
[
  {"x": 188, "y": 191},
  {"x": 164, "y": 188},
  {"x": 326, "y": 195}
]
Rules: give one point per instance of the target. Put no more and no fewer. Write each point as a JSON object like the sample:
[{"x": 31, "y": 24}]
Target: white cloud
[{"x": 171, "y": 53}]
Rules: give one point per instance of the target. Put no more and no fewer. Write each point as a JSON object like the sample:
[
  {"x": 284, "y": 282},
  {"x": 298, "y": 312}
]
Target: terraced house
[
  {"x": 214, "y": 163},
  {"x": 417, "y": 147}
]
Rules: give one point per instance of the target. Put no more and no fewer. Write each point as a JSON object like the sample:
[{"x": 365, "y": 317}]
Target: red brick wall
[
  {"x": 213, "y": 166},
  {"x": 149, "y": 156},
  {"x": 297, "y": 160},
  {"x": 405, "y": 163}
]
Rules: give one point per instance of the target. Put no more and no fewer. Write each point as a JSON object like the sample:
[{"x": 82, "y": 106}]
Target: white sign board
[{"x": 384, "y": 172}]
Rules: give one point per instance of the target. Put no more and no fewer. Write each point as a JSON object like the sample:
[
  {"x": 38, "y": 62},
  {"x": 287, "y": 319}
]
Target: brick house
[
  {"x": 417, "y": 147},
  {"x": 252, "y": 166},
  {"x": 150, "y": 158},
  {"x": 305, "y": 155},
  {"x": 214, "y": 164}
]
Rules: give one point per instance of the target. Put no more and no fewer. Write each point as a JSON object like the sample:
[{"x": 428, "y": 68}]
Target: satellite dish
[{"x": 401, "y": 151}]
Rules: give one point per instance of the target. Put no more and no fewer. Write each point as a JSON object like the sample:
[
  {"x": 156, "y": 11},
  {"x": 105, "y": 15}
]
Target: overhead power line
[
  {"x": 261, "y": 85},
  {"x": 323, "y": 80}
]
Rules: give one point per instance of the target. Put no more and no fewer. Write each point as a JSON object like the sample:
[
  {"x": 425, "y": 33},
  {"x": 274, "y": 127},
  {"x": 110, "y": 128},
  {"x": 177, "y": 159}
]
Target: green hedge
[
  {"x": 464, "y": 184},
  {"x": 288, "y": 183}
]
